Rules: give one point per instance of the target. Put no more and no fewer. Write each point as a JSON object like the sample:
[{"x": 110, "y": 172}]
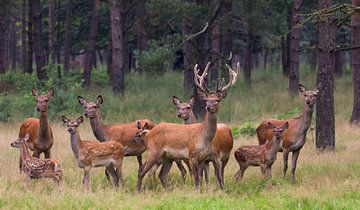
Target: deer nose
[
  {"x": 70, "y": 129},
  {"x": 86, "y": 114},
  {"x": 38, "y": 109}
]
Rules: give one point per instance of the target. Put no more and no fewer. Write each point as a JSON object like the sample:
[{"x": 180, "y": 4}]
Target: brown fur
[
  {"x": 41, "y": 136},
  {"x": 90, "y": 154}
]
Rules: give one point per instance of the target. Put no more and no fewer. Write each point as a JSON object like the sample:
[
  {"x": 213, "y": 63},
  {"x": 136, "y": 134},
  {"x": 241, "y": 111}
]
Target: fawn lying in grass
[
  {"x": 260, "y": 155},
  {"x": 35, "y": 168}
]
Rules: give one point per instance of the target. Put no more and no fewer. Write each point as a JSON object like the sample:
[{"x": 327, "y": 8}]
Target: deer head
[
  {"x": 214, "y": 97},
  {"x": 42, "y": 100},
  {"x": 91, "y": 107},
  {"x": 310, "y": 95},
  {"x": 18, "y": 142},
  {"x": 72, "y": 124},
  {"x": 184, "y": 109},
  {"x": 278, "y": 131},
  {"x": 140, "y": 133}
]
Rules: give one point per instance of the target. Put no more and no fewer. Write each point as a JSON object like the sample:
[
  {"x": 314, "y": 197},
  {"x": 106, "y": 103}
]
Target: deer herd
[{"x": 195, "y": 143}]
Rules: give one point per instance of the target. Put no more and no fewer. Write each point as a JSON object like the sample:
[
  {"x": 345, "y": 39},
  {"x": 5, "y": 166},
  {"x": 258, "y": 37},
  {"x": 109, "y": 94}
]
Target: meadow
[{"x": 325, "y": 180}]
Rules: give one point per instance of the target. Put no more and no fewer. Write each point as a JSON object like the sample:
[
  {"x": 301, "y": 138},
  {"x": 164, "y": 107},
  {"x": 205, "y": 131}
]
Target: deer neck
[
  {"x": 24, "y": 152},
  {"x": 306, "y": 119},
  {"x": 98, "y": 127},
  {"x": 191, "y": 118},
  {"x": 44, "y": 134},
  {"x": 209, "y": 126},
  {"x": 273, "y": 147},
  {"x": 75, "y": 143}
]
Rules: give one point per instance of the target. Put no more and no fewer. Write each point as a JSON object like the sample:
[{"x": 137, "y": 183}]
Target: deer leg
[
  {"x": 166, "y": 166},
  {"x": 285, "y": 158},
  {"x": 295, "y": 155},
  {"x": 195, "y": 167},
  {"x": 143, "y": 170},
  {"x": 263, "y": 170},
  {"x": 217, "y": 167},
  {"x": 152, "y": 171},
  {"x": 242, "y": 171},
  {"x": 86, "y": 177},
  {"x": 181, "y": 168},
  {"x": 118, "y": 172},
  {"x": 113, "y": 173},
  {"x": 20, "y": 164},
  {"x": 47, "y": 153},
  {"x": 187, "y": 162},
  {"x": 139, "y": 159},
  {"x": 27, "y": 181},
  {"x": 206, "y": 172}
]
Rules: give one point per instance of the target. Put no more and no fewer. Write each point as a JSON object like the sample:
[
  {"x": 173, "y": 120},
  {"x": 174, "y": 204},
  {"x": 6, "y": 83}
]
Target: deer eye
[{"x": 188, "y": 107}]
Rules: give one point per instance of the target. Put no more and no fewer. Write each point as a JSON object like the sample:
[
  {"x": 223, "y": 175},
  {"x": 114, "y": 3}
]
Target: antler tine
[
  {"x": 232, "y": 76},
  {"x": 199, "y": 80}
]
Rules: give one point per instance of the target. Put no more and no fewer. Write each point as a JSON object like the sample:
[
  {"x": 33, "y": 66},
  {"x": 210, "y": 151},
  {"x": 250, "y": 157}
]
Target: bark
[
  {"x": 215, "y": 51},
  {"x": 23, "y": 36},
  {"x": 325, "y": 119},
  {"x": 91, "y": 44},
  {"x": 227, "y": 32},
  {"x": 13, "y": 40},
  {"x": 30, "y": 43},
  {"x": 355, "y": 63},
  {"x": 284, "y": 56},
  {"x": 109, "y": 60},
  {"x": 4, "y": 22},
  {"x": 36, "y": 8},
  {"x": 68, "y": 36},
  {"x": 294, "y": 36},
  {"x": 266, "y": 51},
  {"x": 249, "y": 42},
  {"x": 117, "y": 37},
  {"x": 142, "y": 39},
  {"x": 339, "y": 63},
  {"x": 187, "y": 53},
  {"x": 52, "y": 30}
]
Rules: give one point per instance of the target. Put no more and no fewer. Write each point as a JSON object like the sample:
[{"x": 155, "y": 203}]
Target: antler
[
  {"x": 232, "y": 78},
  {"x": 199, "y": 80}
]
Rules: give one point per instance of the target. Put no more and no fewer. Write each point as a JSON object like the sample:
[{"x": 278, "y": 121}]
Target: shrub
[{"x": 246, "y": 128}]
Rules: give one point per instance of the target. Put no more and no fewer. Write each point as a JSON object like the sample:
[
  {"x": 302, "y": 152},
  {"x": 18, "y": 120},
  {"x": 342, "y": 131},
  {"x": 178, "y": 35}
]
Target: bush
[{"x": 246, "y": 128}]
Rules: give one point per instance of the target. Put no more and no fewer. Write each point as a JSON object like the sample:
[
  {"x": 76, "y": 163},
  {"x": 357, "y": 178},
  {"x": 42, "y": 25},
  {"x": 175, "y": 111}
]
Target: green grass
[{"x": 325, "y": 180}]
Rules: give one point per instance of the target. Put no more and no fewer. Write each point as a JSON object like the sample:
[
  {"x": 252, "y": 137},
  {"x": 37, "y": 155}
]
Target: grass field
[{"x": 324, "y": 180}]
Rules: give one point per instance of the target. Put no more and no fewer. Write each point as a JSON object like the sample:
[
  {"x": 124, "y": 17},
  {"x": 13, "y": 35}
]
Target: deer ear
[
  {"x": 82, "y": 101},
  {"x": 176, "y": 101},
  {"x": 202, "y": 94},
  {"x": 270, "y": 125},
  {"x": 51, "y": 92},
  {"x": 99, "y": 100},
  {"x": 319, "y": 86},
  {"x": 146, "y": 126},
  {"x": 286, "y": 125},
  {"x": 34, "y": 92},
  {"x": 301, "y": 88},
  {"x": 192, "y": 101},
  {"x": 80, "y": 120},
  {"x": 138, "y": 125},
  {"x": 26, "y": 137},
  {"x": 222, "y": 94},
  {"x": 65, "y": 119}
]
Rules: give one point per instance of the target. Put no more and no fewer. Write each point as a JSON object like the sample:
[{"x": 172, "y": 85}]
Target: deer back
[{"x": 93, "y": 151}]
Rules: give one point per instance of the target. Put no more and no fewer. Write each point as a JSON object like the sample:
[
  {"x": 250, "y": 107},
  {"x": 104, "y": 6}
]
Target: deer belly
[
  {"x": 102, "y": 162},
  {"x": 175, "y": 153},
  {"x": 254, "y": 162}
]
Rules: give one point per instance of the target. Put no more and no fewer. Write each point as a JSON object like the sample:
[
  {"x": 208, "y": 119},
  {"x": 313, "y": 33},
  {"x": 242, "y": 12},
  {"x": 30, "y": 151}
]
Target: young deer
[
  {"x": 90, "y": 154},
  {"x": 260, "y": 155},
  {"x": 222, "y": 143},
  {"x": 294, "y": 138},
  {"x": 41, "y": 136},
  {"x": 169, "y": 141},
  {"x": 35, "y": 168},
  {"x": 121, "y": 133}
]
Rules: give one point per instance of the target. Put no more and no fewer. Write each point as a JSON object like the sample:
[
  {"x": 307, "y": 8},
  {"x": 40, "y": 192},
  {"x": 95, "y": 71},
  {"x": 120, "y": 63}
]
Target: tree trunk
[
  {"x": 30, "y": 44},
  {"x": 266, "y": 51},
  {"x": 339, "y": 63},
  {"x": 109, "y": 60},
  {"x": 91, "y": 45},
  {"x": 117, "y": 37},
  {"x": 215, "y": 51},
  {"x": 13, "y": 40},
  {"x": 142, "y": 39},
  {"x": 4, "y": 22},
  {"x": 294, "y": 36},
  {"x": 249, "y": 42},
  {"x": 52, "y": 30},
  {"x": 187, "y": 53},
  {"x": 284, "y": 55},
  {"x": 325, "y": 119},
  {"x": 36, "y": 8},
  {"x": 23, "y": 36},
  {"x": 227, "y": 34},
  {"x": 355, "y": 63},
  {"x": 68, "y": 36}
]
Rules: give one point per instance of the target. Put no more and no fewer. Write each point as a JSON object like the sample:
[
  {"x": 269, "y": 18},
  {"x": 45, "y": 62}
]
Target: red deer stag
[
  {"x": 260, "y": 155},
  {"x": 95, "y": 154},
  {"x": 222, "y": 143},
  {"x": 294, "y": 138},
  {"x": 41, "y": 136},
  {"x": 35, "y": 168},
  {"x": 167, "y": 142}
]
